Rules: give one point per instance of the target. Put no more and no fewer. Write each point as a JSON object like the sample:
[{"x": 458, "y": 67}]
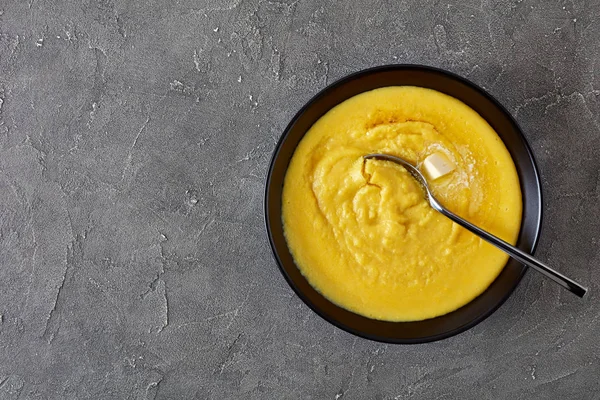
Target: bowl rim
[{"x": 357, "y": 75}]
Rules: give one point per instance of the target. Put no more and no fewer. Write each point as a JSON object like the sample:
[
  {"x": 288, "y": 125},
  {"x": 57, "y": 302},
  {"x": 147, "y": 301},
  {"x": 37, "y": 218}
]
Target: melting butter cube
[{"x": 437, "y": 165}]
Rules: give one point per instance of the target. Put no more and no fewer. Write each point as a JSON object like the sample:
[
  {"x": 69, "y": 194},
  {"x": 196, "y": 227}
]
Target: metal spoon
[{"x": 512, "y": 251}]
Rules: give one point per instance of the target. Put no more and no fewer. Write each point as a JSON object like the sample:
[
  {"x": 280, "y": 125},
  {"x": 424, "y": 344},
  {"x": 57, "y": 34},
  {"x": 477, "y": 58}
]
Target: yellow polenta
[{"x": 362, "y": 232}]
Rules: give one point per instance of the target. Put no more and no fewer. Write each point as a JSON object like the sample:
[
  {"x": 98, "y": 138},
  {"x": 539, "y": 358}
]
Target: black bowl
[{"x": 502, "y": 122}]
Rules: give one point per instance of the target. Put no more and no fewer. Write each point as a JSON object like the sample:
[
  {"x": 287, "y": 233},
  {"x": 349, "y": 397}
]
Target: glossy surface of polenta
[{"x": 362, "y": 232}]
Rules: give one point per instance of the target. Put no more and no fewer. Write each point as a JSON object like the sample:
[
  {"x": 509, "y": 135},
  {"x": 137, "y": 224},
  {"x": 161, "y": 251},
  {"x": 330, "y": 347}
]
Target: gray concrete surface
[{"x": 134, "y": 140}]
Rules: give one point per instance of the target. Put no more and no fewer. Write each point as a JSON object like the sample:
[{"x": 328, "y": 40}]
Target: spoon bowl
[{"x": 504, "y": 125}]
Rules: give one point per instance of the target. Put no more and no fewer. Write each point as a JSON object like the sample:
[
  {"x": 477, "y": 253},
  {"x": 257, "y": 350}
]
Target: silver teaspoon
[{"x": 509, "y": 249}]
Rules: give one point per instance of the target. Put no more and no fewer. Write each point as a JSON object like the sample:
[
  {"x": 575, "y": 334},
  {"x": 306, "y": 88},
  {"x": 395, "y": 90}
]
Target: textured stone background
[{"x": 134, "y": 141}]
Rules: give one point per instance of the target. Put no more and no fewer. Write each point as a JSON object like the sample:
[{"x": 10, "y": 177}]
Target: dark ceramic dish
[{"x": 502, "y": 122}]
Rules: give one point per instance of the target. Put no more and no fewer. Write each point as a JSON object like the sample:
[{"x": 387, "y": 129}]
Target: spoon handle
[{"x": 517, "y": 254}]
